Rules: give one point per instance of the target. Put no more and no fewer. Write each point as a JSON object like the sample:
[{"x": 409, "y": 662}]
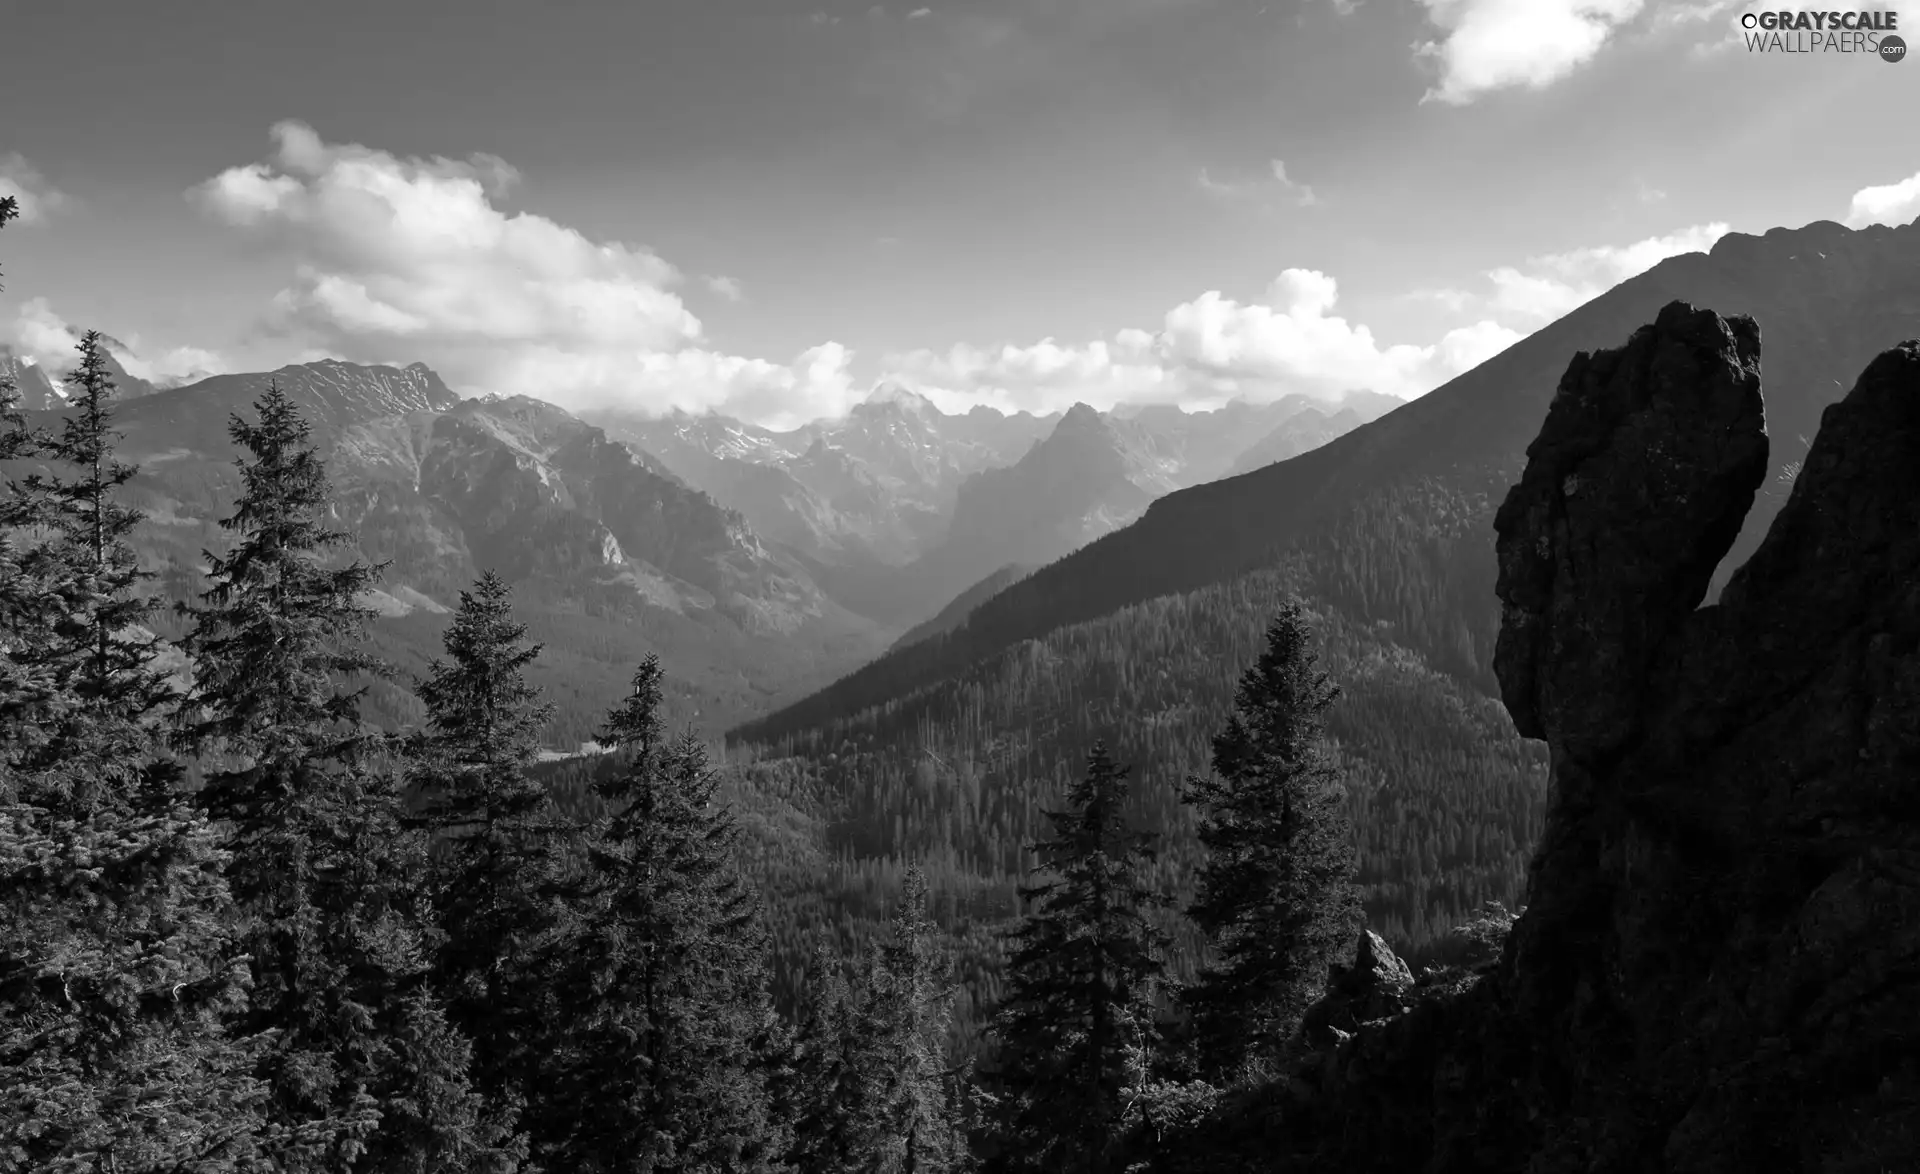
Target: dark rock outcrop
[
  {"x": 1375, "y": 986},
  {"x": 1719, "y": 966}
]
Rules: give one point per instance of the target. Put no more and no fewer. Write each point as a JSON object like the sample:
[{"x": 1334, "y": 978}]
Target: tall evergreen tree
[
  {"x": 1275, "y": 894},
  {"x": 309, "y": 801},
  {"x": 495, "y": 856},
  {"x": 78, "y": 628},
  {"x": 872, "y": 1091},
  {"x": 907, "y": 1011},
  {"x": 117, "y": 968},
  {"x": 821, "y": 1090},
  {"x": 1081, "y": 987},
  {"x": 670, "y": 1025}
]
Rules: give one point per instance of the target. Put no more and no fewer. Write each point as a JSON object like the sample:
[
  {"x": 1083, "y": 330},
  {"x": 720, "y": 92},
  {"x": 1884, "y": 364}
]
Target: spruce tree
[
  {"x": 118, "y": 970},
  {"x": 907, "y": 1012},
  {"x": 669, "y": 1022},
  {"x": 79, "y": 609},
  {"x": 870, "y": 1088},
  {"x": 1275, "y": 894},
  {"x": 495, "y": 867},
  {"x": 308, "y": 797},
  {"x": 1081, "y": 987},
  {"x": 821, "y": 1093}
]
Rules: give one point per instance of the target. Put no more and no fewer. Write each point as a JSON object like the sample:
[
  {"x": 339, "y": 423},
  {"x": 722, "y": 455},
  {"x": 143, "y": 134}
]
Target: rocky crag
[{"x": 1718, "y": 969}]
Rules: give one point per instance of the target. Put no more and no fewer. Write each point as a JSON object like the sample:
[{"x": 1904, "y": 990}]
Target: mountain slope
[
  {"x": 1394, "y": 518},
  {"x": 956, "y": 612},
  {"x": 1303, "y": 433},
  {"x": 610, "y": 556},
  {"x": 885, "y": 486},
  {"x": 874, "y": 487},
  {"x": 1082, "y": 481}
]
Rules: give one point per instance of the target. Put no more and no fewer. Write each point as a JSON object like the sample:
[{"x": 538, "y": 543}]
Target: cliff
[{"x": 1718, "y": 968}]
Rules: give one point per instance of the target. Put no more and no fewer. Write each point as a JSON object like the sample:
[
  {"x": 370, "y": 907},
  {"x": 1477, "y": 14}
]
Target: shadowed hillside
[{"x": 1394, "y": 517}]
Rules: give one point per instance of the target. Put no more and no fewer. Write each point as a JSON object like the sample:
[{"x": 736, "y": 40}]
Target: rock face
[{"x": 1719, "y": 966}]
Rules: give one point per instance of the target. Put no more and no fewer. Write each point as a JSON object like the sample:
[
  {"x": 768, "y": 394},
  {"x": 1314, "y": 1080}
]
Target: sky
[{"x": 764, "y": 207}]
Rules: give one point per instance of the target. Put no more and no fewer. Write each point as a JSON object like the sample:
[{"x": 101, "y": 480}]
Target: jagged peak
[
  {"x": 1080, "y": 417},
  {"x": 1737, "y": 245},
  {"x": 890, "y": 393}
]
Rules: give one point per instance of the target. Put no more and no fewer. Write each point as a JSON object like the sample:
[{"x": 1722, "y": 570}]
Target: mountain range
[
  {"x": 916, "y": 624},
  {"x": 898, "y": 508},
  {"x": 756, "y": 562},
  {"x": 610, "y": 555},
  {"x": 1828, "y": 298}
]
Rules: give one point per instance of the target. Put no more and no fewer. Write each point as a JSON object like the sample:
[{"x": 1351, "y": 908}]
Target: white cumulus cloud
[
  {"x": 1546, "y": 287},
  {"x": 36, "y": 198},
  {"x": 398, "y": 259},
  {"x": 1207, "y": 349},
  {"x": 1892, "y": 204},
  {"x": 1488, "y": 45}
]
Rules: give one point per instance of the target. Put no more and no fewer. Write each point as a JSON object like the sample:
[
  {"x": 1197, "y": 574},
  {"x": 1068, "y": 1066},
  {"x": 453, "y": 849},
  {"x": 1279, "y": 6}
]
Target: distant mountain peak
[
  {"x": 889, "y": 393},
  {"x": 1080, "y": 418}
]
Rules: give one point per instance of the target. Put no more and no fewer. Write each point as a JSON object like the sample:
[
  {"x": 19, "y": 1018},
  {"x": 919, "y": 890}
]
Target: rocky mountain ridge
[
  {"x": 895, "y": 507},
  {"x": 596, "y": 539},
  {"x": 874, "y": 487}
]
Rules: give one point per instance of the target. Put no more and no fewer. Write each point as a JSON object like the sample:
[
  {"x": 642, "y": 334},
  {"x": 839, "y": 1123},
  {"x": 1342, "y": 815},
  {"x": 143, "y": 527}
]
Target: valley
[{"x": 1081, "y": 587}]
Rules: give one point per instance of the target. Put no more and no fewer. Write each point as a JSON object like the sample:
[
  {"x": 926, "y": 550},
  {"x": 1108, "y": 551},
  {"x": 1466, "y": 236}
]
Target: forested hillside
[
  {"x": 943, "y": 749},
  {"x": 1445, "y": 797}
]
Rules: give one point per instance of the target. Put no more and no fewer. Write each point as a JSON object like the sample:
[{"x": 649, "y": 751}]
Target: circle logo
[{"x": 1892, "y": 49}]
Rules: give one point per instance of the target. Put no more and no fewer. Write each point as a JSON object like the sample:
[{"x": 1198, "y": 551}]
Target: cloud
[
  {"x": 37, "y": 198},
  {"x": 727, "y": 288},
  {"x": 1273, "y": 181},
  {"x": 403, "y": 259},
  {"x": 1290, "y": 340},
  {"x": 1892, "y": 204},
  {"x": 1545, "y": 287},
  {"x": 41, "y": 334},
  {"x": 1209, "y": 348},
  {"x": 918, "y": 13},
  {"x": 1491, "y": 45}
]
